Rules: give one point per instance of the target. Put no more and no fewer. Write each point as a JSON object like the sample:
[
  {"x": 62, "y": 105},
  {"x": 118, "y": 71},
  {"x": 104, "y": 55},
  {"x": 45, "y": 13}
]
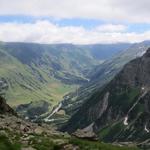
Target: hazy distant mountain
[{"x": 106, "y": 51}]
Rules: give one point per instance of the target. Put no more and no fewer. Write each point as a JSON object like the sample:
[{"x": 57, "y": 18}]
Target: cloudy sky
[{"x": 75, "y": 21}]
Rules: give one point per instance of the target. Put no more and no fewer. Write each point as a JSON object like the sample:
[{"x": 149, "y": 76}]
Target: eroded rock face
[
  {"x": 88, "y": 113},
  {"x": 86, "y": 133},
  {"x": 5, "y": 108}
]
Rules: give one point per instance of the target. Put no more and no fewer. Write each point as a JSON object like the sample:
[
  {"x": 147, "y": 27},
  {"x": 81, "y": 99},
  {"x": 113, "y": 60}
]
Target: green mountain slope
[
  {"x": 119, "y": 111},
  {"x": 36, "y": 72},
  {"x": 101, "y": 75}
]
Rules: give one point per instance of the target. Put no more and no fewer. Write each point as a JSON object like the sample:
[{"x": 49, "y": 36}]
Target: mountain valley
[
  {"x": 119, "y": 111},
  {"x": 50, "y": 94}
]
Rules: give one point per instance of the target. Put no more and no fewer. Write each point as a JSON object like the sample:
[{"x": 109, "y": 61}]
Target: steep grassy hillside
[
  {"x": 24, "y": 85},
  {"x": 40, "y": 72}
]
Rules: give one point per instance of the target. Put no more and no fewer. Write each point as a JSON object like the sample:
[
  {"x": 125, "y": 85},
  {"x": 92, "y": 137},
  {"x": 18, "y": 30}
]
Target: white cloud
[
  {"x": 111, "y": 28},
  {"x": 116, "y": 10},
  {"x": 46, "y": 32}
]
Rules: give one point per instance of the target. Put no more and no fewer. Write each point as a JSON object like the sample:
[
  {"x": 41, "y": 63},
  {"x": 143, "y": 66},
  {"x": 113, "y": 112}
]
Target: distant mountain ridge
[{"x": 107, "y": 50}]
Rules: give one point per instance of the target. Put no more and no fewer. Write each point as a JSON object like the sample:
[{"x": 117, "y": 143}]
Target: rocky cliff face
[
  {"x": 119, "y": 111},
  {"x": 4, "y": 108}
]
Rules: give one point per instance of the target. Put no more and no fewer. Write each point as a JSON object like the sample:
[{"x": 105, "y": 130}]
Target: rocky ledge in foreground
[
  {"x": 5, "y": 108},
  {"x": 19, "y": 134}
]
